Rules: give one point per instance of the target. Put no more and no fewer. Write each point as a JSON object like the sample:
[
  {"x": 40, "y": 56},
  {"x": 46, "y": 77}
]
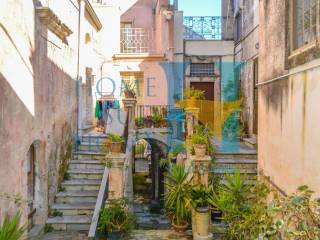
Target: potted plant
[
  {"x": 178, "y": 148},
  {"x": 148, "y": 121},
  {"x": 114, "y": 143},
  {"x": 129, "y": 90},
  {"x": 139, "y": 122},
  {"x": 115, "y": 219},
  {"x": 156, "y": 119},
  {"x": 177, "y": 195},
  {"x": 192, "y": 95},
  {"x": 199, "y": 143},
  {"x": 200, "y": 196}
]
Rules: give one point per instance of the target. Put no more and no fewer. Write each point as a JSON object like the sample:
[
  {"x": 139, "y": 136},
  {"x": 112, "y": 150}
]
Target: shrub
[{"x": 116, "y": 217}]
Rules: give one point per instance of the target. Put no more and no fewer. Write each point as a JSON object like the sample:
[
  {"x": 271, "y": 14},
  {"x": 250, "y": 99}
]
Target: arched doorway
[
  {"x": 148, "y": 177},
  {"x": 31, "y": 182}
]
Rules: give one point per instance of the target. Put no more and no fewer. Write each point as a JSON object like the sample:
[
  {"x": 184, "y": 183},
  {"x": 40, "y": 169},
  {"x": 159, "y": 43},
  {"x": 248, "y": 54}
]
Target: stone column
[
  {"x": 192, "y": 118},
  {"x": 130, "y": 106},
  {"x": 115, "y": 163},
  {"x": 201, "y": 169}
]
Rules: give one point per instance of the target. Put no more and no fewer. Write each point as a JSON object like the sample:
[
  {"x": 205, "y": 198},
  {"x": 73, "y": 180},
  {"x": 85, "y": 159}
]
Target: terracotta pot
[
  {"x": 164, "y": 123},
  {"x": 202, "y": 220},
  {"x": 200, "y": 149},
  {"x": 179, "y": 228},
  {"x": 128, "y": 94},
  {"x": 115, "y": 147}
]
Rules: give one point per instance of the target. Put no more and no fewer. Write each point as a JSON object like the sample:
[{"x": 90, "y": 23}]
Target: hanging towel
[
  {"x": 98, "y": 111},
  {"x": 116, "y": 104}
]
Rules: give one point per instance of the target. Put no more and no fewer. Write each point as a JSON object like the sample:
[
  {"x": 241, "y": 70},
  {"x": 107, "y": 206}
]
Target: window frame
[
  {"x": 197, "y": 74},
  {"x": 305, "y": 47}
]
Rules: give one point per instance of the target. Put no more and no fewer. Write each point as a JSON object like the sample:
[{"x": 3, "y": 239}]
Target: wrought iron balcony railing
[
  {"x": 137, "y": 40},
  {"x": 206, "y": 28}
]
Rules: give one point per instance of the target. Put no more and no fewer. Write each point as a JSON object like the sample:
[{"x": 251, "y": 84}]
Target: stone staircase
[
  {"x": 230, "y": 162},
  {"x": 74, "y": 205}
]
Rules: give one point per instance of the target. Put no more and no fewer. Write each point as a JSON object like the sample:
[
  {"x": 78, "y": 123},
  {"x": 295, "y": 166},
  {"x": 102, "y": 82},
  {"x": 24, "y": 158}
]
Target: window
[
  {"x": 202, "y": 69},
  {"x": 304, "y": 23},
  {"x": 238, "y": 27},
  {"x": 135, "y": 79}
]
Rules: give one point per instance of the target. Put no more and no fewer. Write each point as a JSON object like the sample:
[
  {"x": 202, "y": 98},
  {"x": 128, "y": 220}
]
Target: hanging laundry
[{"x": 98, "y": 110}]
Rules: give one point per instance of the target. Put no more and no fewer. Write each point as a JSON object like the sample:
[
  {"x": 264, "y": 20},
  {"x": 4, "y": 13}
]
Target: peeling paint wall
[{"x": 289, "y": 116}]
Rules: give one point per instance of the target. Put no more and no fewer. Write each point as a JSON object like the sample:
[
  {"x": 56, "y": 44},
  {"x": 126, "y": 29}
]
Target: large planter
[
  {"x": 200, "y": 149},
  {"x": 115, "y": 147},
  {"x": 202, "y": 221},
  {"x": 191, "y": 103},
  {"x": 179, "y": 228}
]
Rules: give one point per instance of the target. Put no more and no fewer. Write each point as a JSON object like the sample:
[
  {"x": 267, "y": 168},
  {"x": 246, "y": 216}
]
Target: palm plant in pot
[
  {"x": 177, "y": 195},
  {"x": 115, "y": 219},
  {"x": 192, "y": 95},
  {"x": 200, "y": 196},
  {"x": 129, "y": 90},
  {"x": 114, "y": 143}
]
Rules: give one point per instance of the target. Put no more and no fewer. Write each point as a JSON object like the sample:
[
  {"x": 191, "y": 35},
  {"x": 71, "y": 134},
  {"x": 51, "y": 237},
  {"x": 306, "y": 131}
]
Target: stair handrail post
[{"x": 130, "y": 105}]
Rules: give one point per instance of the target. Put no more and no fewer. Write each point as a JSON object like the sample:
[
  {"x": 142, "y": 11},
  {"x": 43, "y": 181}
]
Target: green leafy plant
[
  {"x": 178, "y": 193},
  {"x": 177, "y": 148},
  {"x": 139, "y": 122},
  {"x": 116, "y": 217},
  {"x": 165, "y": 163},
  {"x": 156, "y": 119},
  {"x": 115, "y": 138},
  {"x": 10, "y": 228},
  {"x": 199, "y": 139},
  {"x": 129, "y": 89},
  {"x": 48, "y": 228},
  {"x": 55, "y": 213},
  {"x": 194, "y": 94},
  {"x": 201, "y": 196},
  {"x": 140, "y": 149}
]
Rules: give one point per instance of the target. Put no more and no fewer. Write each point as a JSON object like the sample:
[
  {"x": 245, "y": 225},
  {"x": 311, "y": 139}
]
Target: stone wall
[{"x": 38, "y": 106}]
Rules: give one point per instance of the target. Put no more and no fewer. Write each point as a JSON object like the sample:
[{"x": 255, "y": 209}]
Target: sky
[{"x": 200, "y": 7}]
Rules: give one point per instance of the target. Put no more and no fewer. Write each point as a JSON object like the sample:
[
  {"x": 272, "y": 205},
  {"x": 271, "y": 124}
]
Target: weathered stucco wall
[
  {"x": 246, "y": 51},
  {"x": 288, "y": 139},
  {"x": 37, "y": 105}
]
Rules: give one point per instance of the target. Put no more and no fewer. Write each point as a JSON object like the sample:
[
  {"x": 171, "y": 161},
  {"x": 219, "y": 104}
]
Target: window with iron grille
[
  {"x": 304, "y": 22},
  {"x": 202, "y": 69}
]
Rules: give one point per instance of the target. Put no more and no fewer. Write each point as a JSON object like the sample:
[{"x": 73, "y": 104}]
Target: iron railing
[
  {"x": 206, "y": 28},
  {"x": 137, "y": 40}
]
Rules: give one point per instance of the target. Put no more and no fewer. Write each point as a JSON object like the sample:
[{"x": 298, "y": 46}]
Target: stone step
[
  {"x": 92, "y": 146},
  {"x": 232, "y": 171},
  {"x": 86, "y": 173},
  {"x": 94, "y": 138},
  {"x": 239, "y": 163},
  {"x": 235, "y": 156},
  {"x": 81, "y": 184},
  {"x": 77, "y": 196},
  {"x": 80, "y": 208},
  {"x": 86, "y": 164},
  {"x": 70, "y": 223},
  {"x": 79, "y": 155}
]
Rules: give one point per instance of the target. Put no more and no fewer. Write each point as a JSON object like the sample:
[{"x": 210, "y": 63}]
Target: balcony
[
  {"x": 137, "y": 43},
  {"x": 202, "y": 28}
]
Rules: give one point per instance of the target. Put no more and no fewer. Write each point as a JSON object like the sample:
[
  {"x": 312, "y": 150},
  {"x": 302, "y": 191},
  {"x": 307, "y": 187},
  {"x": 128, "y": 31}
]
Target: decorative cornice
[
  {"x": 54, "y": 24},
  {"x": 93, "y": 17}
]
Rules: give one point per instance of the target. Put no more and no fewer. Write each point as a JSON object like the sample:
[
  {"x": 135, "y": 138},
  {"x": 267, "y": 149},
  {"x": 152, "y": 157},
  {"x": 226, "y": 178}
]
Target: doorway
[
  {"x": 207, "y": 87},
  {"x": 31, "y": 181},
  {"x": 255, "y": 96}
]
